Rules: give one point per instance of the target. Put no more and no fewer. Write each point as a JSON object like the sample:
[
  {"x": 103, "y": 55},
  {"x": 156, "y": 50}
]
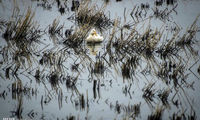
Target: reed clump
[
  {"x": 157, "y": 115},
  {"x": 99, "y": 67},
  {"x": 149, "y": 92},
  {"x": 54, "y": 79},
  {"x": 183, "y": 115},
  {"x": 22, "y": 31},
  {"x": 93, "y": 16},
  {"x": 54, "y": 60},
  {"x": 55, "y": 28},
  {"x": 70, "y": 82},
  {"x": 166, "y": 51},
  {"x": 126, "y": 71},
  {"x": 163, "y": 95},
  {"x": 20, "y": 34},
  {"x": 132, "y": 110},
  {"x": 188, "y": 40},
  {"x": 76, "y": 39},
  {"x": 48, "y": 58}
]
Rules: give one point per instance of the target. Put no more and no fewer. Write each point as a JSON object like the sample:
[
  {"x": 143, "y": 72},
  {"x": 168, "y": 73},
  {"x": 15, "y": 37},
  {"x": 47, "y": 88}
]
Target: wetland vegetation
[{"x": 147, "y": 66}]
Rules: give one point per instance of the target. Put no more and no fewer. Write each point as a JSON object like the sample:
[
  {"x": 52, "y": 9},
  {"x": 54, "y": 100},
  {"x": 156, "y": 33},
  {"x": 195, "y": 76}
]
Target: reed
[
  {"x": 76, "y": 39},
  {"x": 55, "y": 28},
  {"x": 22, "y": 31},
  {"x": 157, "y": 115},
  {"x": 92, "y": 15},
  {"x": 21, "y": 34}
]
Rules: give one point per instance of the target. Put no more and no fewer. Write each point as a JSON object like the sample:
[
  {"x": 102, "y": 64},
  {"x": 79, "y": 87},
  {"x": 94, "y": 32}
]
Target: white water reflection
[{"x": 94, "y": 48}]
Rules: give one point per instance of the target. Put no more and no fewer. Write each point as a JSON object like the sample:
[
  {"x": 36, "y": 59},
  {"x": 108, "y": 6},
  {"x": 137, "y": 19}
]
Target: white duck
[{"x": 94, "y": 37}]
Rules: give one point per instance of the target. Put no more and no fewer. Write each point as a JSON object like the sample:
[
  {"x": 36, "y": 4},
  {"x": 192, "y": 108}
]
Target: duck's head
[{"x": 93, "y": 32}]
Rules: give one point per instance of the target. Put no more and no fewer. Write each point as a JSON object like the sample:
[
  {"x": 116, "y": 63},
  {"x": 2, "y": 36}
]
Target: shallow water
[{"x": 102, "y": 89}]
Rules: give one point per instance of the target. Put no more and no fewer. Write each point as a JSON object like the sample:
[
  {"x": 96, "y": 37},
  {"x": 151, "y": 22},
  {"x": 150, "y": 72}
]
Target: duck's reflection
[{"x": 94, "y": 48}]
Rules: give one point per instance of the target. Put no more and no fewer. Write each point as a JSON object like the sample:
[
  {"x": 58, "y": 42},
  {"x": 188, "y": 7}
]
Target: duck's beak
[{"x": 94, "y": 32}]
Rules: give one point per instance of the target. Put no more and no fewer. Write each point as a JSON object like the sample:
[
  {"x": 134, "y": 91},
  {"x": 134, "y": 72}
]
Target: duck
[{"x": 94, "y": 37}]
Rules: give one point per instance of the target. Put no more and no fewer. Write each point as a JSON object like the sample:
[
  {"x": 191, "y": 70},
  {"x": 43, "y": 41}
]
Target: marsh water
[{"x": 147, "y": 67}]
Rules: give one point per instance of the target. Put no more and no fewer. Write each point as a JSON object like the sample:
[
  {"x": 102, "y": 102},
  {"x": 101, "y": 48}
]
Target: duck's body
[{"x": 94, "y": 37}]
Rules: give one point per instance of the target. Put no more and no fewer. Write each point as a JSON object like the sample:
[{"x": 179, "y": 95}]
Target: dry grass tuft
[{"x": 93, "y": 16}]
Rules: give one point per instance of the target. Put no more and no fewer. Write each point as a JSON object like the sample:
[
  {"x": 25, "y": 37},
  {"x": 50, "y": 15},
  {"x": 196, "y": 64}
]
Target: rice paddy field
[{"x": 146, "y": 68}]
